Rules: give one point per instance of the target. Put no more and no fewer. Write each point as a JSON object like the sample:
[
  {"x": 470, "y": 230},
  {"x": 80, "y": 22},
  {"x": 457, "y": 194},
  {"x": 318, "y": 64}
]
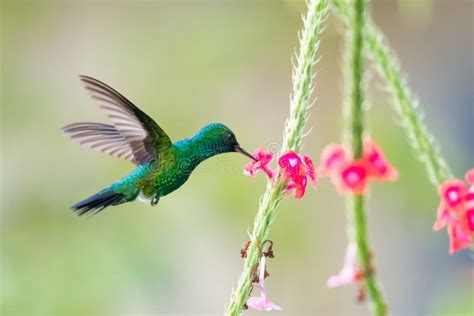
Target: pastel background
[{"x": 189, "y": 63}]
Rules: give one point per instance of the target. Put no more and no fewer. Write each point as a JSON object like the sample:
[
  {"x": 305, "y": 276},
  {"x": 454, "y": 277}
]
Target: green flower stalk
[
  {"x": 303, "y": 76},
  {"x": 354, "y": 134},
  {"x": 405, "y": 103}
]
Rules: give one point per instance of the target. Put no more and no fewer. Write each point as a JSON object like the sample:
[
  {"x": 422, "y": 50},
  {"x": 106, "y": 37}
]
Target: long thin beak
[{"x": 244, "y": 152}]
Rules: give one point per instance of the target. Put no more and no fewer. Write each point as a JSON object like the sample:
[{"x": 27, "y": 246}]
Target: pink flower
[
  {"x": 297, "y": 186},
  {"x": 349, "y": 273},
  {"x": 297, "y": 170},
  {"x": 453, "y": 192},
  {"x": 333, "y": 157},
  {"x": 459, "y": 237},
  {"x": 456, "y": 212},
  {"x": 443, "y": 217},
  {"x": 470, "y": 176},
  {"x": 378, "y": 167},
  {"x": 470, "y": 219},
  {"x": 310, "y": 169},
  {"x": 352, "y": 176},
  {"x": 260, "y": 164},
  {"x": 291, "y": 165},
  {"x": 262, "y": 302}
]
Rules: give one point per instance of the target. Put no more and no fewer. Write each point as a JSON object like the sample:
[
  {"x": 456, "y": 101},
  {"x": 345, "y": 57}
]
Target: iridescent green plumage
[{"x": 163, "y": 166}]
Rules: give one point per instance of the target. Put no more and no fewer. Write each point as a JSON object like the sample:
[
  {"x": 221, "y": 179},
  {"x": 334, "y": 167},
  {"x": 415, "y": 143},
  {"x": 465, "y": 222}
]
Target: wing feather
[
  {"x": 143, "y": 136},
  {"x": 100, "y": 137}
]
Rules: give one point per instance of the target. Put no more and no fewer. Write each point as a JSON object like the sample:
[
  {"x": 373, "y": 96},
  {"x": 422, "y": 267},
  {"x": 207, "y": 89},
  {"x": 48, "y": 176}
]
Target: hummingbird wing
[
  {"x": 101, "y": 137},
  {"x": 144, "y": 137}
]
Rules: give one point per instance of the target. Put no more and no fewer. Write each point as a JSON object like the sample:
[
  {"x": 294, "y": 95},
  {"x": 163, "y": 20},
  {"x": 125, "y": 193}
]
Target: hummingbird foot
[{"x": 155, "y": 200}]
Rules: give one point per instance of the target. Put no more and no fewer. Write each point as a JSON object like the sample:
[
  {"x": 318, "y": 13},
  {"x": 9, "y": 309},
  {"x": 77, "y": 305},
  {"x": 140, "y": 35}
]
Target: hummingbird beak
[{"x": 239, "y": 149}]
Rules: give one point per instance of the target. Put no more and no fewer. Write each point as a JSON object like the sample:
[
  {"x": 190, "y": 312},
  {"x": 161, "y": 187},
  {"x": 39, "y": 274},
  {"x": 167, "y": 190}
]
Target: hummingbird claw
[{"x": 154, "y": 201}]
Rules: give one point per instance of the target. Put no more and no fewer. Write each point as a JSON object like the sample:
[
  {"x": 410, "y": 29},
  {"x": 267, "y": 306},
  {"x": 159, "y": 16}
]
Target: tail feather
[{"x": 98, "y": 202}]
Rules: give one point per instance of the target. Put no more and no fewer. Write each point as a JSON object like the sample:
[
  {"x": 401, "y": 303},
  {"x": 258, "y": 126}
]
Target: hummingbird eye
[{"x": 230, "y": 137}]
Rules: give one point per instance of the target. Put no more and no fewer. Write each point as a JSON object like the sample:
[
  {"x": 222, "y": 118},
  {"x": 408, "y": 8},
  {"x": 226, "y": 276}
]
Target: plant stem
[
  {"x": 405, "y": 103},
  {"x": 293, "y": 133},
  {"x": 357, "y": 227}
]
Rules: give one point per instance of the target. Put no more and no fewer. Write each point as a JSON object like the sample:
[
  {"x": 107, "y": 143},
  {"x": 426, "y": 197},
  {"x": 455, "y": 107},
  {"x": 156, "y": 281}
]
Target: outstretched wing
[
  {"x": 101, "y": 137},
  {"x": 145, "y": 139}
]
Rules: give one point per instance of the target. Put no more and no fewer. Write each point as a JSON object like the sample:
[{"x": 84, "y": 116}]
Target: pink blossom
[
  {"x": 456, "y": 212},
  {"x": 470, "y": 176},
  {"x": 453, "y": 192},
  {"x": 297, "y": 186},
  {"x": 349, "y": 273},
  {"x": 459, "y": 237},
  {"x": 311, "y": 170},
  {"x": 378, "y": 167},
  {"x": 470, "y": 219},
  {"x": 291, "y": 165},
  {"x": 352, "y": 176},
  {"x": 262, "y": 302},
  {"x": 443, "y": 217},
  {"x": 260, "y": 164},
  {"x": 297, "y": 170},
  {"x": 333, "y": 157}
]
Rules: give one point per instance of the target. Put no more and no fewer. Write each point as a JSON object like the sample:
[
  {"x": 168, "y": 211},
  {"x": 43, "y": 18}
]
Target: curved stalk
[{"x": 299, "y": 105}]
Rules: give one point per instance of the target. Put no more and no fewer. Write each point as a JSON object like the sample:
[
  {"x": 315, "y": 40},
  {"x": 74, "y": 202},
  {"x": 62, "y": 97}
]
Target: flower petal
[
  {"x": 452, "y": 192},
  {"x": 443, "y": 217},
  {"x": 469, "y": 216},
  {"x": 378, "y": 166},
  {"x": 333, "y": 157},
  {"x": 470, "y": 176},
  {"x": 262, "y": 304},
  {"x": 260, "y": 164},
  {"x": 311, "y": 170},
  {"x": 459, "y": 237},
  {"x": 349, "y": 273},
  {"x": 290, "y": 163},
  {"x": 352, "y": 178}
]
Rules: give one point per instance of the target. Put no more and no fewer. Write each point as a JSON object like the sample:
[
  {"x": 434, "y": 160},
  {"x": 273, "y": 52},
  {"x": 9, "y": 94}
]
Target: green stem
[
  {"x": 294, "y": 128},
  {"x": 357, "y": 74},
  {"x": 405, "y": 103},
  {"x": 379, "y": 306},
  {"x": 355, "y": 130}
]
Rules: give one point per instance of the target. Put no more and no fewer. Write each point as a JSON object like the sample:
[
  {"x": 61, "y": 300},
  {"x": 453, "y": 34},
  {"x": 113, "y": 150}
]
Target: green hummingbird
[{"x": 162, "y": 166}]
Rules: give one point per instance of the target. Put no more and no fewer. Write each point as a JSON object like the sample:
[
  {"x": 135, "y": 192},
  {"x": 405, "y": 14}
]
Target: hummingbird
[{"x": 162, "y": 166}]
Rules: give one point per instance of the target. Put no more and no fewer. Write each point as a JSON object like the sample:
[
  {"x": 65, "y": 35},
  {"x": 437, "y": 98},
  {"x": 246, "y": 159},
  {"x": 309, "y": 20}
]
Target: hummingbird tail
[{"x": 98, "y": 202}]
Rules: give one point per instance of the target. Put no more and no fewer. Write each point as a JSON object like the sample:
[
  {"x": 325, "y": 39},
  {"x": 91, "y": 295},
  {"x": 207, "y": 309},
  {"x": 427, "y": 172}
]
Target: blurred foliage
[{"x": 188, "y": 63}]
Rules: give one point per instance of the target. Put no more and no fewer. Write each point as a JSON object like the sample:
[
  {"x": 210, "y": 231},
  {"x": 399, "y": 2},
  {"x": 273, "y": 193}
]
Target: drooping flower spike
[
  {"x": 260, "y": 164},
  {"x": 297, "y": 170},
  {"x": 456, "y": 211},
  {"x": 352, "y": 176},
  {"x": 262, "y": 302}
]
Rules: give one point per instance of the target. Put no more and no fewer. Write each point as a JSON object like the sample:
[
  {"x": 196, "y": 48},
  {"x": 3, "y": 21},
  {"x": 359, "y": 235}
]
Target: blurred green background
[{"x": 189, "y": 63}]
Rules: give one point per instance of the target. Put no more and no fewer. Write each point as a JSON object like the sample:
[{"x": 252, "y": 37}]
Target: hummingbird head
[{"x": 218, "y": 139}]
